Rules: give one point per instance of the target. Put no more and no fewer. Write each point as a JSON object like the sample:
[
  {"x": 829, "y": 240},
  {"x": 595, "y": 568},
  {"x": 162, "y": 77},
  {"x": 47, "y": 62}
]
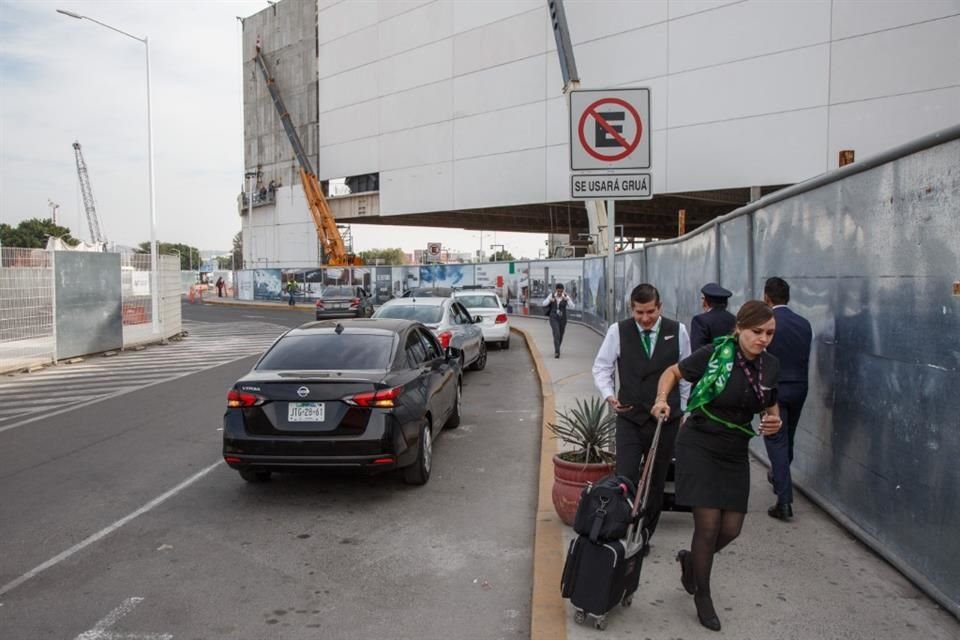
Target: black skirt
[{"x": 713, "y": 469}]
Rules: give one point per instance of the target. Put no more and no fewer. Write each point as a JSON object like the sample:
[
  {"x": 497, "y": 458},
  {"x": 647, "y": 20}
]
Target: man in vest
[
  {"x": 555, "y": 306},
  {"x": 638, "y": 350}
]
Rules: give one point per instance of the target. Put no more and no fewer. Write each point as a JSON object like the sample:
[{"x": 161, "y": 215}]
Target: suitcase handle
[{"x": 643, "y": 489}]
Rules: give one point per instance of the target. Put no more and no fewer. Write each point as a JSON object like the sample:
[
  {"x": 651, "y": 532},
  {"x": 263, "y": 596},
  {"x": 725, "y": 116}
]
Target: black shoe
[
  {"x": 705, "y": 611},
  {"x": 780, "y": 511},
  {"x": 556, "y": 355},
  {"x": 686, "y": 573},
  {"x": 645, "y": 550}
]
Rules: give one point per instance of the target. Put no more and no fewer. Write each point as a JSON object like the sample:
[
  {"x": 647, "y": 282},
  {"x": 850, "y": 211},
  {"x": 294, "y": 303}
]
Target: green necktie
[{"x": 645, "y": 338}]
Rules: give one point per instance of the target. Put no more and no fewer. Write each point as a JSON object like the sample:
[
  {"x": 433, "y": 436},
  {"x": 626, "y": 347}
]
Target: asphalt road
[{"x": 119, "y": 518}]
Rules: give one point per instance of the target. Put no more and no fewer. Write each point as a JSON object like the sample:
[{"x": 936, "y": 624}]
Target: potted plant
[{"x": 588, "y": 429}]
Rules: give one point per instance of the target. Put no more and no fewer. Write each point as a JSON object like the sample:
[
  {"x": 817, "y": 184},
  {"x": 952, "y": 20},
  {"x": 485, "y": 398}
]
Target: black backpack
[{"x": 605, "y": 509}]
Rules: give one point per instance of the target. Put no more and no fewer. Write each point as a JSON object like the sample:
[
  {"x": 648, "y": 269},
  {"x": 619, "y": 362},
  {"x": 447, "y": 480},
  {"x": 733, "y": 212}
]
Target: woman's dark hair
[
  {"x": 753, "y": 313},
  {"x": 644, "y": 293}
]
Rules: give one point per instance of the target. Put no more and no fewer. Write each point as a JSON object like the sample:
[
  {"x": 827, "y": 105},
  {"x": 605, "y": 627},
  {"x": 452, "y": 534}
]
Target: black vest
[
  {"x": 639, "y": 374},
  {"x": 553, "y": 308}
]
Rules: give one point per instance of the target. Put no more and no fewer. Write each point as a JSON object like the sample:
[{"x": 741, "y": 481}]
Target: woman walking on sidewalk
[{"x": 735, "y": 378}]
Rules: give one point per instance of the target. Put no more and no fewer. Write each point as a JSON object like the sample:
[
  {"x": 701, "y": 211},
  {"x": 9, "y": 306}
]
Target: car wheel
[
  {"x": 454, "y": 420},
  {"x": 481, "y": 361},
  {"x": 255, "y": 477},
  {"x": 419, "y": 472},
  {"x": 505, "y": 344}
]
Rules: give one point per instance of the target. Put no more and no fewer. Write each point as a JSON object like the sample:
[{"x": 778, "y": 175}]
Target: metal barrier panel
[
  {"x": 697, "y": 266},
  {"x": 665, "y": 272},
  {"x": 869, "y": 262},
  {"x": 633, "y": 274},
  {"x": 135, "y": 287},
  {"x": 734, "y": 258},
  {"x": 88, "y": 303},
  {"x": 171, "y": 322},
  {"x": 593, "y": 302},
  {"x": 26, "y": 308}
]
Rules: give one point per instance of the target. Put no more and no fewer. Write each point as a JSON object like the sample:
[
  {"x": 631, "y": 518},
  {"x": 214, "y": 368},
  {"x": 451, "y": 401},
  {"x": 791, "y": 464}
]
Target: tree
[
  {"x": 383, "y": 256},
  {"x": 238, "y": 250},
  {"x": 189, "y": 256},
  {"x": 33, "y": 234},
  {"x": 503, "y": 256}
]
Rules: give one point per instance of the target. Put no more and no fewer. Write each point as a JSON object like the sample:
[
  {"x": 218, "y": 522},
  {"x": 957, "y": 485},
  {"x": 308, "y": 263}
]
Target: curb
[
  {"x": 255, "y": 305},
  {"x": 548, "y": 613}
]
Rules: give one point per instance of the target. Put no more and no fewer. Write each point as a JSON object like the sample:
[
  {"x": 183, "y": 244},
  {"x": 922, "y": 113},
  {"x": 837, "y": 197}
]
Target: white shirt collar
[
  {"x": 655, "y": 328},
  {"x": 777, "y": 306}
]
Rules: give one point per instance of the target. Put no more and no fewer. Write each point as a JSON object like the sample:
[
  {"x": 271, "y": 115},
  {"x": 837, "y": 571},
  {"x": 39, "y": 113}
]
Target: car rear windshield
[
  {"x": 479, "y": 302},
  {"x": 338, "y": 292},
  {"x": 329, "y": 351},
  {"x": 427, "y": 314}
]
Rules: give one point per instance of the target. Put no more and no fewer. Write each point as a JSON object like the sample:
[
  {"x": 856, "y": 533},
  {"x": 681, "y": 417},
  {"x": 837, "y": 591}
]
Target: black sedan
[
  {"x": 341, "y": 301},
  {"x": 364, "y": 394}
]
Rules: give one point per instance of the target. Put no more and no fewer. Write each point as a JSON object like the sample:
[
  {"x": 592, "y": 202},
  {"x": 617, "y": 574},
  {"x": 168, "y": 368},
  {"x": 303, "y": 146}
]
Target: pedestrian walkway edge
[{"x": 548, "y": 619}]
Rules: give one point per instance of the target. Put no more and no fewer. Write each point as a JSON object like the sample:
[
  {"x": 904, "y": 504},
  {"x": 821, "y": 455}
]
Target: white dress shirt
[
  {"x": 546, "y": 301},
  {"x": 605, "y": 364}
]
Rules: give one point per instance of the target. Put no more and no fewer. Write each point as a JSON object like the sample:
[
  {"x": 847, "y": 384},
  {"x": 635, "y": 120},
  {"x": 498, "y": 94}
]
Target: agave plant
[{"x": 590, "y": 428}]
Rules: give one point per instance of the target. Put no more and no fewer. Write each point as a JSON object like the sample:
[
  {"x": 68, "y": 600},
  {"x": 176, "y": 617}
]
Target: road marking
[
  {"x": 99, "y": 631},
  {"x": 253, "y": 316},
  {"x": 60, "y": 557}
]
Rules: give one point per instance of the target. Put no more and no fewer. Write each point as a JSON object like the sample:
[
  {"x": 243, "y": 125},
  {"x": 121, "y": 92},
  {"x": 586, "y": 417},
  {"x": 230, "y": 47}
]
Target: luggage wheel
[
  {"x": 600, "y": 623},
  {"x": 627, "y": 600},
  {"x": 579, "y": 616}
]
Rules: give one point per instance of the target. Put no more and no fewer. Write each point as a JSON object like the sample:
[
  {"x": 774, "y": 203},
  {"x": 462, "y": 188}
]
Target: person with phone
[
  {"x": 555, "y": 306},
  {"x": 639, "y": 349},
  {"x": 736, "y": 379}
]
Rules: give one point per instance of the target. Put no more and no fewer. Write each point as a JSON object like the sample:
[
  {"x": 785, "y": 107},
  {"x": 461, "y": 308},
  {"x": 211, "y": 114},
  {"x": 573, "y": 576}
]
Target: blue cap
[{"x": 713, "y": 290}]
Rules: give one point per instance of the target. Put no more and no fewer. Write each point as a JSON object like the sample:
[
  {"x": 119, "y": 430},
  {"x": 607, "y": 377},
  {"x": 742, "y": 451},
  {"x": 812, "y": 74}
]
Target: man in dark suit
[
  {"x": 715, "y": 321},
  {"x": 791, "y": 345}
]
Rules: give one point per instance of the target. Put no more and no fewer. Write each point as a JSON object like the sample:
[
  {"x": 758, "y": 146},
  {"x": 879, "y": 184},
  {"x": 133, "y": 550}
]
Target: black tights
[{"x": 713, "y": 529}]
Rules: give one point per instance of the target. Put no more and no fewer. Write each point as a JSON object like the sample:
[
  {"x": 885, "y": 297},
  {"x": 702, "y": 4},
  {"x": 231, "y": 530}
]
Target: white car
[{"x": 487, "y": 305}]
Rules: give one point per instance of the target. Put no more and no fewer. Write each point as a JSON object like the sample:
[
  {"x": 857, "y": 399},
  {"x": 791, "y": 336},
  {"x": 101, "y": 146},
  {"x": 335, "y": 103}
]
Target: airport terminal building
[{"x": 453, "y": 113}]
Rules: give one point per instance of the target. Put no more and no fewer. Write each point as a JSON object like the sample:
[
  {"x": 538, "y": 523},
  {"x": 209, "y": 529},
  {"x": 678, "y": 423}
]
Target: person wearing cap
[
  {"x": 555, "y": 306},
  {"x": 715, "y": 321}
]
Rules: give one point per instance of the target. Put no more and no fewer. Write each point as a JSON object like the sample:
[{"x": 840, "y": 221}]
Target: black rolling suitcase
[{"x": 597, "y": 576}]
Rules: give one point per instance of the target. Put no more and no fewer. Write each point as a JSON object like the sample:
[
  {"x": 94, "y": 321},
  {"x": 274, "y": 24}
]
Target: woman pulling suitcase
[{"x": 735, "y": 378}]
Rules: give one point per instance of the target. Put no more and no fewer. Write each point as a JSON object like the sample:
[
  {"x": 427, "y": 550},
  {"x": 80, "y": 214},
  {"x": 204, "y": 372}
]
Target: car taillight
[
  {"x": 501, "y": 318},
  {"x": 355, "y": 302},
  {"x": 383, "y": 399},
  {"x": 240, "y": 399},
  {"x": 319, "y": 304},
  {"x": 444, "y": 339}
]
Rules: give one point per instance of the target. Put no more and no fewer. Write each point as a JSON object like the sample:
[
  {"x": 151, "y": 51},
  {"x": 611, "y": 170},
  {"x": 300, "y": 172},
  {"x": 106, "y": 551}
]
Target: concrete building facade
[{"x": 457, "y": 105}]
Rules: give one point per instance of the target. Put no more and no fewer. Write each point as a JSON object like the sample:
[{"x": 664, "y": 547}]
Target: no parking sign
[{"x": 610, "y": 132}]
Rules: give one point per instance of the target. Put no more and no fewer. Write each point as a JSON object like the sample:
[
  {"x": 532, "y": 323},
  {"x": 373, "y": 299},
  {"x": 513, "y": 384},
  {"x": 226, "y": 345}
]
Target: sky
[{"x": 64, "y": 80}]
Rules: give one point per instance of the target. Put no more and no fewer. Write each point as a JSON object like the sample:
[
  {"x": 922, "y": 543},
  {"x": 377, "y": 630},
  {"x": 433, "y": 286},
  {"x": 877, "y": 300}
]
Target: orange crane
[{"x": 334, "y": 249}]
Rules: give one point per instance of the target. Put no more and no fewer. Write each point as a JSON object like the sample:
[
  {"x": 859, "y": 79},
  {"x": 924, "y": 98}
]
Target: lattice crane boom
[
  {"x": 93, "y": 221},
  {"x": 334, "y": 249}
]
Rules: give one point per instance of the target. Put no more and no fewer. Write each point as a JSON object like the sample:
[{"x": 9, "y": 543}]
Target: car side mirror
[
  {"x": 452, "y": 354},
  {"x": 477, "y": 319}
]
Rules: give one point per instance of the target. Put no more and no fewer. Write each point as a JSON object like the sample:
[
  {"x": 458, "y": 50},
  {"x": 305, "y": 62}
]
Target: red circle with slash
[{"x": 627, "y": 146}]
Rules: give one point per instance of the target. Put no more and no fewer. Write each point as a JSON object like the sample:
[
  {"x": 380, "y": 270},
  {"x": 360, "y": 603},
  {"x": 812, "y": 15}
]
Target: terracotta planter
[{"x": 569, "y": 479}]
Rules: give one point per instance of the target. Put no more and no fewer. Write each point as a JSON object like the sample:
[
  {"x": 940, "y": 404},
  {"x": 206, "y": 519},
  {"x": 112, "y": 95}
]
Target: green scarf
[{"x": 715, "y": 379}]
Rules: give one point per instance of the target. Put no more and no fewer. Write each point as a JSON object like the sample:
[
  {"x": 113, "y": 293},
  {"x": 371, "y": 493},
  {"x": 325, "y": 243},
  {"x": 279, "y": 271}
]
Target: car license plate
[{"x": 305, "y": 412}]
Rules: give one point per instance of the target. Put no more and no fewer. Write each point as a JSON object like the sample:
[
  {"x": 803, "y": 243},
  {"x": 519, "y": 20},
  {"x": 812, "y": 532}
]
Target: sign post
[{"x": 610, "y": 156}]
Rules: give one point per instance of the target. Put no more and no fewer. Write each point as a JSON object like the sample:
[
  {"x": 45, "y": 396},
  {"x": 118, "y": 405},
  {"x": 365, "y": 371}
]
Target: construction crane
[
  {"x": 96, "y": 235},
  {"x": 334, "y": 249}
]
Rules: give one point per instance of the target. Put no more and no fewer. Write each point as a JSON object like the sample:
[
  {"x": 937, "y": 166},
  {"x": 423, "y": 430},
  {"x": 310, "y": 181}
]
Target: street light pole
[{"x": 154, "y": 257}]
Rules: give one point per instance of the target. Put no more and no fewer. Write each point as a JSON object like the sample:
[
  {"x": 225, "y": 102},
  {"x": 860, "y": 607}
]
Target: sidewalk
[
  {"x": 305, "y": 307},
  {"x": 804, "y": 580}
]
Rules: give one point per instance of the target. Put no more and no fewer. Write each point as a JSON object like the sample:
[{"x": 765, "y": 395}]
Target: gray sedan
[
  {"x": 344, "y": 301},
  {"x": 448, "y": 320}
]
